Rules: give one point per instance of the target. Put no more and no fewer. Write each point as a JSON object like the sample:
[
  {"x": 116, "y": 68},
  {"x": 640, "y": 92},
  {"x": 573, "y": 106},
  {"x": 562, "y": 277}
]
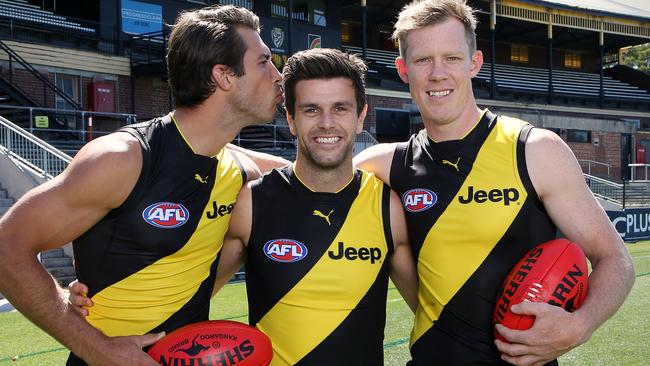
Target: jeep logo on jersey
[
  {"x": 285, "y": 250},
  {"x": 505, "y": 195},
  {"x": 166, "y": 215},
  {"x": 418, "y": 199},
  {"x": 352, "y": 253}
]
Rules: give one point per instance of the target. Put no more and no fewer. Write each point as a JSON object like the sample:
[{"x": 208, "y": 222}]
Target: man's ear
[
  {"x": 222, "y": 77},
  {"x": 361, "y": 118},
  {"x": 292, "y": 123},
  {"x": 477, "y": 62},
  {"x": 400, "y": 63}
]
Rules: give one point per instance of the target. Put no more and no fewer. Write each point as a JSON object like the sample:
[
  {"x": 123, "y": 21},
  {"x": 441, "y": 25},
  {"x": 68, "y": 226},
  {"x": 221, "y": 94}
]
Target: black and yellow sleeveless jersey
[
  {"x": 471, "y": 212},
  {"x": 317, "y": 269},
  {"x": 150, "y": 264}
]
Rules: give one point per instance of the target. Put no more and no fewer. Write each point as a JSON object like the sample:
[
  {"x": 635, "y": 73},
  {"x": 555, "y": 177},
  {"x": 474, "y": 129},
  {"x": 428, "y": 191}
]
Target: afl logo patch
[
  {"x": 166, "y": 215},
  {"x": 285, "y": 250},
  {"x": 418, "y": 199}
]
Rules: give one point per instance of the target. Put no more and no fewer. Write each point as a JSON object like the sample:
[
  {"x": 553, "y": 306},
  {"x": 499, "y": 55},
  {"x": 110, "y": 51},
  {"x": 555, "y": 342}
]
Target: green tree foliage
[{"x": 637, "y": 57}]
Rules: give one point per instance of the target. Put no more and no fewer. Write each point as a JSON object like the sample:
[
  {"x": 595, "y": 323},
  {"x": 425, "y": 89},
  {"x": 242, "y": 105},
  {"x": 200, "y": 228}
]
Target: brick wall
[
  {"x": 375, "y": 101},
  {"x": 32, "y": 86},
  {"x": 151, "y": 98},
  {"x": 123, "y": 94},
  {"x": 608, "y": 151}
]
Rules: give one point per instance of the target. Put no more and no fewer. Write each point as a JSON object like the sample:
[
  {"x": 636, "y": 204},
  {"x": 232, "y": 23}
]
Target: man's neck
[
  {"x": 207, "y": 130},
  {"x": 323, "y": 180},
  {"x": 456, "y": 129}
]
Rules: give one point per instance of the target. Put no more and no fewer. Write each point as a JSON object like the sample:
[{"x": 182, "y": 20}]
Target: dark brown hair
[
  {"x": 323, "y": 63},
  {"x": 201, "y": 39}
]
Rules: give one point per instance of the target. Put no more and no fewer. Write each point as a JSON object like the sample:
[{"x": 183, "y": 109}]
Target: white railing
[
  {"x": 364, "y": 140},
  {"x": 605, "y": 189},
  {"x": 32, "y": 151},
  {"x": 633, "y": 168},
  {"x": 83, "y": 120},
  {"x": 279, "y": 139},
  {"x": 595, "y": 164}
]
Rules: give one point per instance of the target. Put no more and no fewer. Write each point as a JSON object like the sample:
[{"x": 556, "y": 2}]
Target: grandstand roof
[{"x": 637, "y": 9}]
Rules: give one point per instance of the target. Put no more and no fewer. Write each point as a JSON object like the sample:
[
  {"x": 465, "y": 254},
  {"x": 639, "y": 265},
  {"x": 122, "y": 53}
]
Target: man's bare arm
[
  {"x": 376, "y": 159},
  {"x": 402, "y": 266},
  {"x": 233, "y": 252},
  {"x": 265, "y": 162},
  {"x": 53, "y": 214},
  {"x": 559, "y": 182}
]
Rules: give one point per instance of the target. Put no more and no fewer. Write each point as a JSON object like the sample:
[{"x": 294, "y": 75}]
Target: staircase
[
  {"x": 55, "y": 261},
  {"x": 59, "y": 266},
  {"x": 29, "y": 151},
  {"x": 628, "y": 194},
  {"x": 5, "y": 201}
]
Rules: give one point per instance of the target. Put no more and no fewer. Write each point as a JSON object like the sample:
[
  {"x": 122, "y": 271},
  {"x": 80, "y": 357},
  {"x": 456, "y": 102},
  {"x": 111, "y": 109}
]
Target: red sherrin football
[
  {"x": 214, "y": 342},
  {"x": 554, "y": 272}
]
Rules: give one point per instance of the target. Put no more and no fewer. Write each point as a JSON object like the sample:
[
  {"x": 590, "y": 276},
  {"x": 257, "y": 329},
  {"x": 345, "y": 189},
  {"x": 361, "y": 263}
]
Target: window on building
[
  {"x": 345, "y": 33},
  {"x": 279, "y": 8},
  {"x": 557, "y": 131},
  {"x": 308, "y": 11},
  {"x": 69, "y": 84},
  {"x": 301, "y": 11},
  {"x": 319, "y": 17},
  {"x": 572, "y": 60},
  {"x": 248, "y": 4},
  {"x": 578, "y": 136},
  {"x": 519, "y": 53}
]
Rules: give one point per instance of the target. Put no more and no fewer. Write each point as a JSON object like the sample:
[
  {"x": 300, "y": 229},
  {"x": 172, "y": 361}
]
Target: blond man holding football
[{"x": 480, "y": 190}]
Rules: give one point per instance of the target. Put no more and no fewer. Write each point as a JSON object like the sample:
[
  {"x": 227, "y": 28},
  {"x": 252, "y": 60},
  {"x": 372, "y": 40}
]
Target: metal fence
[
  {"x": 597, "y": 168},
  {"x": 32, "y": 151},
  {"x": 64, "y": 123},
  {"x": 626, "y": 194},
  {"x": 364, "y": 140},
  {"x": 639, "y": 172},
  {"x": 605, "y": 189}
]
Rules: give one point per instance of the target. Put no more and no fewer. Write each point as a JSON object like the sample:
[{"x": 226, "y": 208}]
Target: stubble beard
[
  {"x": 251, "y": 111},
  {"x": 323, "y": 165}
]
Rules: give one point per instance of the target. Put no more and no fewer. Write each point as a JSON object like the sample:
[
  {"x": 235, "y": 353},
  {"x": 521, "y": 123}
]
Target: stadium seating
[
  {"x": 533, "y": 80},
  {"x": 22, "y": 11}
]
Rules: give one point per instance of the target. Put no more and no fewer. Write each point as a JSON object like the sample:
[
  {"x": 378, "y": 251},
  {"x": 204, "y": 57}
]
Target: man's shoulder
[{"x": 272, "y": 178}]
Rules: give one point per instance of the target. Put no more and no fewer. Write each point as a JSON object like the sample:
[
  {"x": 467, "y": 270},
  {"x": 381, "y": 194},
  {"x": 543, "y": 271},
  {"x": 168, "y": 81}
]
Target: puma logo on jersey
[
  {"x": 447, "y": 162},
  {"x": 351, "y": 253},
  {"x": 505, "y": 195},
  {"x": 326, "y": 217},
  {"x": 201, "y": 180}
]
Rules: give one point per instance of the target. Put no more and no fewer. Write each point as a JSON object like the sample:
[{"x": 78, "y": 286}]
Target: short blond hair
[{"x": 422, "y": 13}]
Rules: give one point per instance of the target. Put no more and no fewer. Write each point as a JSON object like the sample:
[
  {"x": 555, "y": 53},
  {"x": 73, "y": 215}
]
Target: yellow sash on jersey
[
  {"x": 147, "y": 298},
  {"x": 325, "y": 296},
  {"x": 465, "y": 234}
]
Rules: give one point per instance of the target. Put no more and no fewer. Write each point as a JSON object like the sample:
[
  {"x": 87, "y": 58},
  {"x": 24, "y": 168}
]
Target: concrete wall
[{"x": 18, "y": 179}]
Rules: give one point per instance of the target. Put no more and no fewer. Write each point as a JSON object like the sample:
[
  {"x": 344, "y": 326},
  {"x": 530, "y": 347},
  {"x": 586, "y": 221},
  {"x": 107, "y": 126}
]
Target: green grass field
[{"x": 620, "y": 341}]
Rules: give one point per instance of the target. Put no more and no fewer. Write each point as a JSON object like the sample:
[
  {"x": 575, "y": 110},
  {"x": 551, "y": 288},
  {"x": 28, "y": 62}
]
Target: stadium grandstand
[{"x": 71, "y": 71}]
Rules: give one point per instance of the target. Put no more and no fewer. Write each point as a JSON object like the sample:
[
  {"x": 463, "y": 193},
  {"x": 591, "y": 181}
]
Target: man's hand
[
  {"x": 126, "y": 351},
  {"x": 79, "y": 299},
  {"x": 117, "y": 350},
  {"x": 554, "y": 333}
]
